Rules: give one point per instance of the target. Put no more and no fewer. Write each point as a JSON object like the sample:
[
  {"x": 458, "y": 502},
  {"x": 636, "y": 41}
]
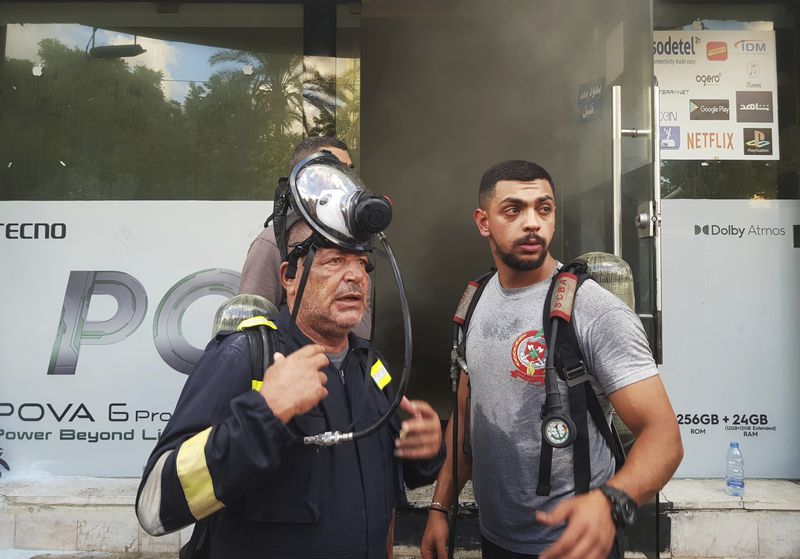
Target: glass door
[{"x": 450, "y": 89}]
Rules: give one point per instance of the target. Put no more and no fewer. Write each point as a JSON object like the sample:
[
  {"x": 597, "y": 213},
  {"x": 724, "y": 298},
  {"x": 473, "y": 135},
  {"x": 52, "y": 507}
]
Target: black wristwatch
[{"x": 623, "y": 508}]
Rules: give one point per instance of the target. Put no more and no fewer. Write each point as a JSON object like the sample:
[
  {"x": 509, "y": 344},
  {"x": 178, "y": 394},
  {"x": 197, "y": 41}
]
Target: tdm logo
[
  {"x": 751, "y": 46},
  {"x": 739, "y": 232}
]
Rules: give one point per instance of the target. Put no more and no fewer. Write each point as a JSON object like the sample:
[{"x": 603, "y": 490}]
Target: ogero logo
[
  {"x": 33, "y": 230},
  {"x": 708, "y": 79},
  {"x": 757, "y": 141},
  {"x": 709, "y": 109},
  {"x": 739, "y": 232},
  {"x": 717, "y": 50}
]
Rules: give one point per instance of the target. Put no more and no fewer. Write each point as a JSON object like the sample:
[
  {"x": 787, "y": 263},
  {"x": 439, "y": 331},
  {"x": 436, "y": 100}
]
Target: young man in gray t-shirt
[{"x": 506, "y": 354}]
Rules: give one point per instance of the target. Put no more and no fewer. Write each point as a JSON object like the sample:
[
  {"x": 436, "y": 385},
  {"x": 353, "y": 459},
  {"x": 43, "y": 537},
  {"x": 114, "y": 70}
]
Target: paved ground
[{"x": 400, "y": 553}]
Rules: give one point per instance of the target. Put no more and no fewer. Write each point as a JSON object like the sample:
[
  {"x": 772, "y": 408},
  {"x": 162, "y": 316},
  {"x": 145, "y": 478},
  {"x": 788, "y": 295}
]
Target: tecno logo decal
[
  {"x": 715, "y": 230},
  {"x": 33, "y": 230}
]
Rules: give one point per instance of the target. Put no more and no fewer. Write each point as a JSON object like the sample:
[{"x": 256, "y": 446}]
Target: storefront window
[{"x": 210, "y": 109}]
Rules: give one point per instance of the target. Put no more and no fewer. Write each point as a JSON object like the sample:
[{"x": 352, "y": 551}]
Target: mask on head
[{"x": 334, "y": 202}]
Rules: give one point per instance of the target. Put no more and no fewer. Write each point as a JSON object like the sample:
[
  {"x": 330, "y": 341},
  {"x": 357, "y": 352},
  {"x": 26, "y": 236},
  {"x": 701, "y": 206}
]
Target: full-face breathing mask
[{"x": 332, "y": 200}]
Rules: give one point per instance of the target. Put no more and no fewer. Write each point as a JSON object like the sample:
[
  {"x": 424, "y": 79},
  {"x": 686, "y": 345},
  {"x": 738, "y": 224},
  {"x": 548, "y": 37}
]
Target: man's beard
[
  {"x": 326, "y": 322},
  {"x": 516, "y": 263}
]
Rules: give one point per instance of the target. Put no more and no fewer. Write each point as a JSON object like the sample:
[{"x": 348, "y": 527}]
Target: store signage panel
[
  {"x": 106, "y": 307},
  {"x": 718, "y": 94},
  {"x": 730, "y": 274}
]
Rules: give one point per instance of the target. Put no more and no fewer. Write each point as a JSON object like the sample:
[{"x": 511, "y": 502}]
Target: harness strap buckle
[{"x": 575, "y": 374}]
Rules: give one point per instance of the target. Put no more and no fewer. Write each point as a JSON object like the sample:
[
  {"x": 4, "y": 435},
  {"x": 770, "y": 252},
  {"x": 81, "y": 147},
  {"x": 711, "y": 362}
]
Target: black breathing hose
[
  {"x": 552, "y": 399},
  {"x": 456, "y": 373},
  {"x": 330, "y": 438}
]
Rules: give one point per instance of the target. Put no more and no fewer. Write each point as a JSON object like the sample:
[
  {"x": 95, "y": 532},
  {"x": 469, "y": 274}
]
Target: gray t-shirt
[{"x": 506, "y": 356}]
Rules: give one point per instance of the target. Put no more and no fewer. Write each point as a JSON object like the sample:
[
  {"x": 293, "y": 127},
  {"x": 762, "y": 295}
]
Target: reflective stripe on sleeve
[
  {"x": 148, "y": 509},
  {"x": 195, "y": 478}
]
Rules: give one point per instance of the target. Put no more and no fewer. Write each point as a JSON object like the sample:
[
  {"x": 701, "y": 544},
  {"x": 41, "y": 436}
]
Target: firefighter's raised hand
[
  {"x": 421, "y": 434},
  {"x": 296, "y": 383}
]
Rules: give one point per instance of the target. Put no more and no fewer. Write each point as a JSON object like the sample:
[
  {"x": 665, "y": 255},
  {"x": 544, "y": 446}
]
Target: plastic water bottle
[{"x": 734, "y": 471}]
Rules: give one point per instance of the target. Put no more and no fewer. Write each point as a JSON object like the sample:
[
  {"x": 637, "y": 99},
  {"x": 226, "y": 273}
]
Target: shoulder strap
[
  {"x": 466, "y": 307},
  {"x": 262, "y": 341},
  {"x": 469, "y": 299},
  {"x": 571, "y": 367}
]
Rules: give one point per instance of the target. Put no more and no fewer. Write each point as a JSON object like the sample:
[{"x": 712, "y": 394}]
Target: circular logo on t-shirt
[{"x": 528, "y": 355}]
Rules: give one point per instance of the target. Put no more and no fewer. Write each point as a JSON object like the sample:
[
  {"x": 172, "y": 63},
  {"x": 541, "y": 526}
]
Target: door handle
[{"x": 617, "y": 133}]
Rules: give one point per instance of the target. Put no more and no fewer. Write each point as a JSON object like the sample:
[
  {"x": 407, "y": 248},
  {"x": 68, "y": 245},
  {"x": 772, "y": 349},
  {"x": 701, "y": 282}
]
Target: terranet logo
[
  {"x": 757, "y": 141},
  {"x": 754, "y": 106},
  {"x": 739, "y": 232},
  {"x": 750, "y": 46},
  {"x": 709, "y": 109},
  {"x": 675, "y": 48},
  {"x": 717, "y": 50}
]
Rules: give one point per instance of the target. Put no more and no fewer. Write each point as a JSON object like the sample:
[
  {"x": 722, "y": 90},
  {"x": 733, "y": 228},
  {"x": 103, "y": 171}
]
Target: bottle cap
[{"x": 734, "y": 444}]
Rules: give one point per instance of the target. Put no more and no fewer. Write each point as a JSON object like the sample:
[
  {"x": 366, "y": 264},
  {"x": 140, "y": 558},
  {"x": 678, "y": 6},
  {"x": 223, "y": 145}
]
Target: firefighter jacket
[{"x": 224, "y": 455}]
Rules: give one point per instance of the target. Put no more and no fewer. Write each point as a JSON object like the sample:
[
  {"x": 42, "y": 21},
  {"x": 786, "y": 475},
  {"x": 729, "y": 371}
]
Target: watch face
[
  {"x": 556, "y": 431},
  {"x": 623, "y": 508},
  {"x": 628, "y": 511}
]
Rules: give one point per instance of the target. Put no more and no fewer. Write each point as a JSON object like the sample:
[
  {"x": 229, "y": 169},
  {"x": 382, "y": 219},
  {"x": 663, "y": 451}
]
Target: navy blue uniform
[{"x": 225, "y": 454}]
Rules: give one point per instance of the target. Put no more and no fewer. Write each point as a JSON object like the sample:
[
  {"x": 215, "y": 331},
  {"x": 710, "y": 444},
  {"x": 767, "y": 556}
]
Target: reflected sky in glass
[{"x": 179, "y": 63}]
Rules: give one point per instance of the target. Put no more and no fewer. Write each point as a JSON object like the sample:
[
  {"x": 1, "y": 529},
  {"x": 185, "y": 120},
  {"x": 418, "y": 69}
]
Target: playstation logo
[{"x": 698, "y": 229}]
